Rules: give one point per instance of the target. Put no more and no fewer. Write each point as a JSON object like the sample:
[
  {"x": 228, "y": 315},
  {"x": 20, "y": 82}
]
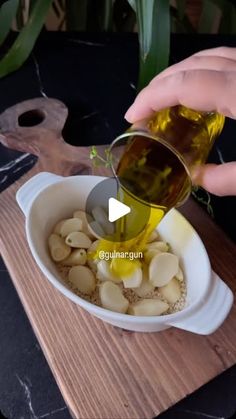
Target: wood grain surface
[{"x": 102, "y": 371}]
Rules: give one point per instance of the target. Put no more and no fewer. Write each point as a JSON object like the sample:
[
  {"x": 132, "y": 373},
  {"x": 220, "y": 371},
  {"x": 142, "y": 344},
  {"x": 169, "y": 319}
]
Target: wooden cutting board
[{"x": 102, "y": 371}]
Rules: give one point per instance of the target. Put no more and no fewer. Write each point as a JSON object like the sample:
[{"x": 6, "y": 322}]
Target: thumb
[{"x": 218, "y": 179}]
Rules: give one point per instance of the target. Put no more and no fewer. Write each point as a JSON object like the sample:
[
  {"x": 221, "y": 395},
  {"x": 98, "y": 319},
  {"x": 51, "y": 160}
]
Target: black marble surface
[{"x": 95, "y": 75}]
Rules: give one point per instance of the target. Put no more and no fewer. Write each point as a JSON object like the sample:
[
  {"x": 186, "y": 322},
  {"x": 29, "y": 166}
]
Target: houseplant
[{"x": 153, "y": 19}]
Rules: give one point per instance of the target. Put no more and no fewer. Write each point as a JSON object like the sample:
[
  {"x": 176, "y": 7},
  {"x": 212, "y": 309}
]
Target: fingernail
[{"x": 129, "y": 115}]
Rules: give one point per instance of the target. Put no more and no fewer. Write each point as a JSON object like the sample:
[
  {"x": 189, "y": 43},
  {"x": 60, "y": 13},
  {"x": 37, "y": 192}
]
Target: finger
[
  {"x": 204, "y": 90},
  {"x": 199, "y": 63},
  {"x": 218, "y": 179},
  {"x": 226, "y": 52}
]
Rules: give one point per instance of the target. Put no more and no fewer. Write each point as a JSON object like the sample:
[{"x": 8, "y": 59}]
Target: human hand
[{"x": 205, "y": 81}]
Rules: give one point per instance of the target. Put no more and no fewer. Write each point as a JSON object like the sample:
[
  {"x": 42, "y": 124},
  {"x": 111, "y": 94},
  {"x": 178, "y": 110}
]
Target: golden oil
[{"x": 156, "y": 164}]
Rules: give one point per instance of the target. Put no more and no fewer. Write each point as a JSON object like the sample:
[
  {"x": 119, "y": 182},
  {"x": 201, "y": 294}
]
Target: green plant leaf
[
  {"x": 153, "y": 19},
  {"x": 25, "y": 41},
  {"x": 106, "y": 23},
  {"x": 93, "y": 152},
  {"x": 31, "y": 5},
  {"x": 210, "y": 12},
  {"x": 132, "y": 4},
  {"x": 7, "y": 13}
]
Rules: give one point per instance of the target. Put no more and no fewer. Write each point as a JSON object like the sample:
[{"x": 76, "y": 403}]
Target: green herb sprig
[
  {"x": 99, "y": 160},
  {"x": 204, "y": 201}
]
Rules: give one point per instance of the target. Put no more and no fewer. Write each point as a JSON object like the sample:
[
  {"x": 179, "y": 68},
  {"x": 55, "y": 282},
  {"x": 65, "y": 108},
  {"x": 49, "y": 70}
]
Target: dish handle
[
  {"x": 212, "y": 312},
  {"x": 28, "y": 192}
]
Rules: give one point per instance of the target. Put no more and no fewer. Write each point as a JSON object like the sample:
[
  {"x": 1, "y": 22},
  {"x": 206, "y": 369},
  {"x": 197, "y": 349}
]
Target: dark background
[{"x": 95, "y": 76}]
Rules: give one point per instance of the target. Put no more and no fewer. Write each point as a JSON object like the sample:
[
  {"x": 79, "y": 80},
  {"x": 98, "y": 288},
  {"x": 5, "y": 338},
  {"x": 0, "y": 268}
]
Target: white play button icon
[
  {"x": 101, "y": 220},
  {"x": 116, "y": 209}
]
